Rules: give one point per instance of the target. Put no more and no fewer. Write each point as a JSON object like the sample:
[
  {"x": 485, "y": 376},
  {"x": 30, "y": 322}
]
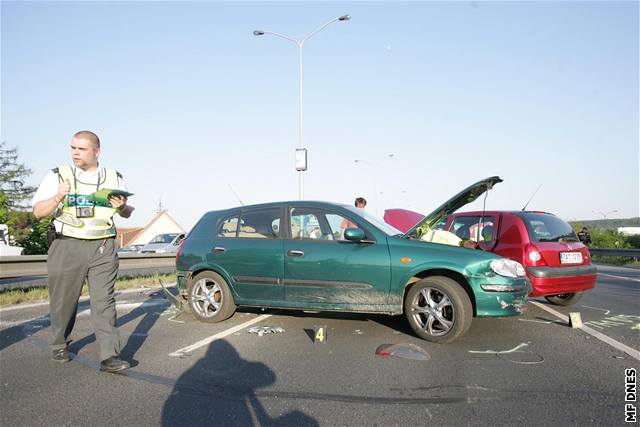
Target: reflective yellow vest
[{"x": 80, "y": 202}]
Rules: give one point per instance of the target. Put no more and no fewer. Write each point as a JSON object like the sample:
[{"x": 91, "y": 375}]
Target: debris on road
[
  {"x": 262, "y": 330},
  {"x": 515, "y": 355},
  {"x": 403, "y": 351}
]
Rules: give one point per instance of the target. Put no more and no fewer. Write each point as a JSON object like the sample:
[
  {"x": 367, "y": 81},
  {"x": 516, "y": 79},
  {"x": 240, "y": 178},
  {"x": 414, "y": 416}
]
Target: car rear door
[
  {"x": 323, "y": 271},
  {"x": 249, "y": 248}
]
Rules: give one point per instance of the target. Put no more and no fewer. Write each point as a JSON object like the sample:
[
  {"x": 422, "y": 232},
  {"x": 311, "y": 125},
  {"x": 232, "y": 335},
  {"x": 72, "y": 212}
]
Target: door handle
[
  {"x": 295, "y": 253},
  {"x": 219, "y": 250}
]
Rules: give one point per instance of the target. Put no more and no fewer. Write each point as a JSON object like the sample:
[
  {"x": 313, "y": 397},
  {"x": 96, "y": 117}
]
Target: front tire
[
  {"x": 210, "y": 298},
  {"x": 438, "y": 309},
  {"x": 564, "y": 299}
]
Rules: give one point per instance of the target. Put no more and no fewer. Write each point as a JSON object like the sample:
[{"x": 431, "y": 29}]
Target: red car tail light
[{"x": 532, "y": 256}]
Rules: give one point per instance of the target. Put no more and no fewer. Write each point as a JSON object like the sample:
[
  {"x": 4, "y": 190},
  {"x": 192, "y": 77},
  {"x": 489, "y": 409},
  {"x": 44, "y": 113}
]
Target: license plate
[{"x": 570, "y": 257}]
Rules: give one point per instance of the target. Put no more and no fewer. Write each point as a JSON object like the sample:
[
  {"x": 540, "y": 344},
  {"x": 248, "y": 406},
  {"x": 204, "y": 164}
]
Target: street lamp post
[
  {"x": 375, "y": 176},
  {"x": 604, "y": 215},
  {"x": 300, "y": 44}
]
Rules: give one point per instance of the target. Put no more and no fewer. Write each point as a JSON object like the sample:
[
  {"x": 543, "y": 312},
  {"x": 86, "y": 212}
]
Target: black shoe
[
  {"x": 113, "y": 364},
  {"x": 61, "y": 355}
]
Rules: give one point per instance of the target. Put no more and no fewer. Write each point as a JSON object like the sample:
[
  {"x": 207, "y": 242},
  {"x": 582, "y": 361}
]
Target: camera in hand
[{"x": 84, "y": 211}]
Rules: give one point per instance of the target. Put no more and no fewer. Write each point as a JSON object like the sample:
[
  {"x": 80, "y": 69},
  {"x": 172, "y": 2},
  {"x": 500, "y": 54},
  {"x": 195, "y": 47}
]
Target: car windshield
[
  {"x": 544, "y": 227},
  {"x": 381, "y": 225},
  {"x": 164, "y": 238}
]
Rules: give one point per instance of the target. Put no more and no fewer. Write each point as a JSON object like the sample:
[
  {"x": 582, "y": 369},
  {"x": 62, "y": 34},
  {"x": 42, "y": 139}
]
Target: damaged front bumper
[{"x": 500, "y": 296}]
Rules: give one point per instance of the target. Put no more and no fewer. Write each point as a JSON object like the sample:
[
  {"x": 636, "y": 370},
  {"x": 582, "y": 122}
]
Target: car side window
[
  {"x": 305, "y": 224},
  {"x": 474, "y": 228},
  {"x": 317, "y": 224},
  {"x": 228, "y": 227},
  {"x": 338, "y": 224},
  {"x": 260, "y": 224}
]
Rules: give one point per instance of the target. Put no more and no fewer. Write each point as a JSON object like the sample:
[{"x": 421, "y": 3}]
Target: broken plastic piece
[
  {"x": 176, "y": 301},
  {"x": 262, "y": 330},
  {"x": 403, "y": 351}
]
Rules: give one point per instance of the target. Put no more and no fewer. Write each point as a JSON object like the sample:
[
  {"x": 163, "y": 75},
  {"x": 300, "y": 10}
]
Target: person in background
[
  {"x": 84, "y": 247},
  {"x": 585, "y": 236},
  {"x": 359, "y": 203}
]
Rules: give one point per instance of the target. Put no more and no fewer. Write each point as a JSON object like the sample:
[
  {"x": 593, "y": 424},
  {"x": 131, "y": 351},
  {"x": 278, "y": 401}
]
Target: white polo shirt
[{"x": 49, "y": 185}]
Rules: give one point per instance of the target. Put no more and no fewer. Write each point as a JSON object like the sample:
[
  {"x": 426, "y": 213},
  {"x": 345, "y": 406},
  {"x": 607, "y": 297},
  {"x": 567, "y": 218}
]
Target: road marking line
[
  {"x": 602, "y": 337},
  {"x": 596, "y": 308},
  {"x": 619, "y": 277},
  {"x": 212, "y": 338},
  {"x": 85, "y": 298}
]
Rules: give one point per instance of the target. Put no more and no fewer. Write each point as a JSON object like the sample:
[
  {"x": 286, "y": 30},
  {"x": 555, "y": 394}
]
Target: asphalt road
[{"x": 528, "y": 370}]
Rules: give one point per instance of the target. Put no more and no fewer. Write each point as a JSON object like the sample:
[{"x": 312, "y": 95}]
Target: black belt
[{"x": 63, "y": 237}]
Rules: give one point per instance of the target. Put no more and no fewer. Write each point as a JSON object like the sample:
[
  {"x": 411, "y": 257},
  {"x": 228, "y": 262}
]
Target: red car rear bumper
[{"x": 561, "y": 280}]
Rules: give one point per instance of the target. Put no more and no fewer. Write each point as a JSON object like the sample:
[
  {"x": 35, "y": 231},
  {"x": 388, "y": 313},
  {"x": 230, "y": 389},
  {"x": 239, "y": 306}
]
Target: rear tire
[
  {"x": 564, "y": 299},
  {"x": 210, "y": 298},
  {"x": 438, "y": 309}
]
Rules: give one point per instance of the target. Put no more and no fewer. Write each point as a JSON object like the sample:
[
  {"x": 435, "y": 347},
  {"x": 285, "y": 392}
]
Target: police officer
[
  {"x": 585, "y": 236},
  {"x": 84, "y": 248}
]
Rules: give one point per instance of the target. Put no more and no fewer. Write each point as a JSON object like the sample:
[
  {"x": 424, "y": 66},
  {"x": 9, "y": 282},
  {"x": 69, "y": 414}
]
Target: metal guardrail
[
  {"x": 36, "y": 265},
  {"x": 630, "y": 253}
]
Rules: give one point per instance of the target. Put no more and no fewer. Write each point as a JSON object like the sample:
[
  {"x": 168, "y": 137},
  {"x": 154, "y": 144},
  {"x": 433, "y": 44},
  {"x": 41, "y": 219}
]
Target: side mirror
[{"x": 354, "y": 234}]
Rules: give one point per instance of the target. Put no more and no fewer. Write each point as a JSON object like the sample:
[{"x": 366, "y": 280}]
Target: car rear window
[{"x": 548, "y": 228}]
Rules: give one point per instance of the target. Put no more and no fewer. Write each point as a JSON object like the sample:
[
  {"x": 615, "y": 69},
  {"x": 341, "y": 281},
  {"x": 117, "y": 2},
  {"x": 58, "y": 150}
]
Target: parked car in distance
[
  {"x": 6, "y": 248},
  {"x": 130, "y": 249},
  {"x": 558, "y": 264},
  {"x": 291, "y": 255},
  {"x": 163, "y": 243}
]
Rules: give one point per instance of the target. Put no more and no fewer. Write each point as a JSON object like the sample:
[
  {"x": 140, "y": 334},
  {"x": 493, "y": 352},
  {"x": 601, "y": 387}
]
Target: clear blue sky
[{"x": 187, "y": 101}]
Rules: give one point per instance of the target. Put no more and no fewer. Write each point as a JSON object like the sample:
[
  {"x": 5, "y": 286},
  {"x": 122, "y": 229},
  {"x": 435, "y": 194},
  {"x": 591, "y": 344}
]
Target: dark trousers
[{"x": 69, "y": 263}]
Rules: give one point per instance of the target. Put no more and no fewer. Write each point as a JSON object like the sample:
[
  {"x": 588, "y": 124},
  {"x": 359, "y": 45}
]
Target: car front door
[{"x": 322, "y": 270}]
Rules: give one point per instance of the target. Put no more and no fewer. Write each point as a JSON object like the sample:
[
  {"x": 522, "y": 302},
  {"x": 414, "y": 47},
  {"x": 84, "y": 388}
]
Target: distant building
[
  {"x": 161, "y": 223},
  {"x": 629, "y": 231}
]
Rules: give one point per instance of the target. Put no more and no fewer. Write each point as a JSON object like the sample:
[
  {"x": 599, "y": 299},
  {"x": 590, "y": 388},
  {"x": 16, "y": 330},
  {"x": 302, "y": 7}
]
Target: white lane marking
[
  {"x": 20, "y": 306},
  {"x": 516, "y": 348},
  {"x": 596, "y": 308},
  {"x": 548, "y": 322},
  {"x": 86, "y": 311},
  {"x": 129, "y": 305},
  {"x": 602, "y": 337},
  {"x": 212, "y": 338},
  {"x": 85, "y": 298},
  {"x": 619, "y": 277}
]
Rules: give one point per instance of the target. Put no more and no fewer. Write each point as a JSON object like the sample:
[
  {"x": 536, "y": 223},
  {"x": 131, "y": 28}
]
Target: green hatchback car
[{"x": 322, "y": 256}]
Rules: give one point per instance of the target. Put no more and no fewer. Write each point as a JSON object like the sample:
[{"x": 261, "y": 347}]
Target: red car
[{"x": 557, "y": 263}]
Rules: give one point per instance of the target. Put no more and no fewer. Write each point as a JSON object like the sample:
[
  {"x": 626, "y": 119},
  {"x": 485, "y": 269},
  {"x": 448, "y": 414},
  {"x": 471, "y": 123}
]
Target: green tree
[
  {"x": 608, "y": 239},
  {"x": 12, "y": 179},
  {"x": 27, "y": 230}
]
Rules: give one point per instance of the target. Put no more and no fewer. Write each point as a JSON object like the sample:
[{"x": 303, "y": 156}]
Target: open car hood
[{"x": 464, "y": 197}]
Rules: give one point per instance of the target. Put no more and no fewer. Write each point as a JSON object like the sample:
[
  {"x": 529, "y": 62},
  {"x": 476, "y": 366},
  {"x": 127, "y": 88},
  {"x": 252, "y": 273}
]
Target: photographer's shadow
[{"x": 220, "y": 389}]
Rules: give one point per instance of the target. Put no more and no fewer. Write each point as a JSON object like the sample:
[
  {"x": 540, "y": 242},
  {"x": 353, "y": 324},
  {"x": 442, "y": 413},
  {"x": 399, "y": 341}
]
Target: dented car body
[{"x": 324, "y": 256}]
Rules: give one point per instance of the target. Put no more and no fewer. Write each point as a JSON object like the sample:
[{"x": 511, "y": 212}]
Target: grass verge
[
  {"x": 616, "y": 260},
  {"x": 18, "y": 296}
]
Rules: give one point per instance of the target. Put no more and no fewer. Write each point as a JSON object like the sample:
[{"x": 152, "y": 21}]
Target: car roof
[
  {"x": 488, "y": 212},
  {"x": 275, "y": 204}
]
